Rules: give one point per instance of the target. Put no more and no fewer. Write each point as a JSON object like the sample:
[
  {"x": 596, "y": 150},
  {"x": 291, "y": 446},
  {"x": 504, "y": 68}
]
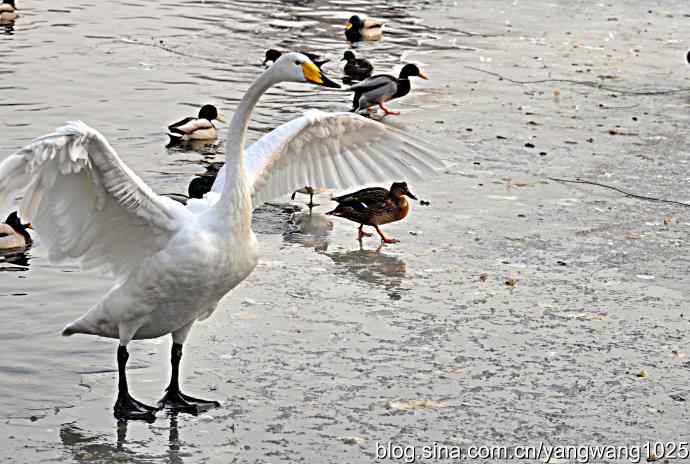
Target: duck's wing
[
  {"x": 367, "y": 196},
  {"x": 371, "y": 23},
  {"x": 86, "y": 203},
  {"x": 333, "y": 150},
  {"x": 179, "y": 123},
  {"x": 373, "y": 83},
  {"x": 190, "y": 125}
]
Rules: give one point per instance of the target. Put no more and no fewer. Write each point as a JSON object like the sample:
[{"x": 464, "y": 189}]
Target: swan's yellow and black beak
[
  {"x": 314, "y": 75},
  {"x": 348, "y": 26}
]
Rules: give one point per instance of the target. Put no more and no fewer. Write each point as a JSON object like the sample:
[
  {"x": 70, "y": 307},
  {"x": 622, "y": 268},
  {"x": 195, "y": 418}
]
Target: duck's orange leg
[
  {"x": 384, "y": 238},
  {"x": 361, "y": 233},
  {"x": 387, "y": 111}
]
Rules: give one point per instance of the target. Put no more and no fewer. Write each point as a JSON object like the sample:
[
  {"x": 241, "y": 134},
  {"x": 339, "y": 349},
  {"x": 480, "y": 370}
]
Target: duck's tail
[{"x": 175, "y": 139}]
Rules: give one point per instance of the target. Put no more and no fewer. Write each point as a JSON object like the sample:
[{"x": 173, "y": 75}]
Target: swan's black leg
[
  {"x": 126, "y": 407},
  {"x": 176, "y": 400}
]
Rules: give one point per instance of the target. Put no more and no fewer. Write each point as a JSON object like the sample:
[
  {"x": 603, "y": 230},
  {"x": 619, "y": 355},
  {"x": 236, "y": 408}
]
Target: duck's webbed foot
[
  {"x": 361, "y": 234},
  {"x": 389, "y": 112},
  {"x": 385, "y": 239}
]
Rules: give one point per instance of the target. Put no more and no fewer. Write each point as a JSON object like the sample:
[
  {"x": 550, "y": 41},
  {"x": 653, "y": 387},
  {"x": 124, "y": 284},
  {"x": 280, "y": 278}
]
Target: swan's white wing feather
[
  {"x": 85, "y": 203},
  {"x": 333, "y": 150}
]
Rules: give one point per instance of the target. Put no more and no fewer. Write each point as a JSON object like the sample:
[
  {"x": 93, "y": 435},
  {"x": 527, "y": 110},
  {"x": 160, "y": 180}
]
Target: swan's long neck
[{"x": 235, "y": 205}]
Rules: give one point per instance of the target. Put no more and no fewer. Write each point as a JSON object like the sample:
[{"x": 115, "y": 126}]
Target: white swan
[{"x": 173, "y": 263}]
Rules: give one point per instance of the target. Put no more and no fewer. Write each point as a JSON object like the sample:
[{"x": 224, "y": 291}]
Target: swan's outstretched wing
[
  {"x": 85, "y": 202},
  {"x": 334, "y": 150}
]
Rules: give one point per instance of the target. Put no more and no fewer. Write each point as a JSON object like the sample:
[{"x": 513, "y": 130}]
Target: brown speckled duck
[
  {"x": 13, "y": 234},
  {"x": 374, "y": 206}
]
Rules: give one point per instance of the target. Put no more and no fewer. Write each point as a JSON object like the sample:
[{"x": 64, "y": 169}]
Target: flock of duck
[{"x": 172, "y": 261}]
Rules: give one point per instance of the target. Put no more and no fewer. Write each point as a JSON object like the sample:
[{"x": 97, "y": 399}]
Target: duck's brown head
[{"x": 399, "y": 189}]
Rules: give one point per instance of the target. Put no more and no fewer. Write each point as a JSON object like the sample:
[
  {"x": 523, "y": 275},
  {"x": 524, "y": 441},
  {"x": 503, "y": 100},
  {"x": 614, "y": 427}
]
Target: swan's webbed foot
[
  {"x": 127, "y": 408},
  {"x": 175, "y": 400}
]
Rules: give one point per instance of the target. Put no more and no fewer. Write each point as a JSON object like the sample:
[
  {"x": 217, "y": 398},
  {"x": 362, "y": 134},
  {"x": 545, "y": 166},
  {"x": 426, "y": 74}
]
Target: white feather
[
  {"x": 332, "y": 150},
  {"x": 87, "y": 204}
]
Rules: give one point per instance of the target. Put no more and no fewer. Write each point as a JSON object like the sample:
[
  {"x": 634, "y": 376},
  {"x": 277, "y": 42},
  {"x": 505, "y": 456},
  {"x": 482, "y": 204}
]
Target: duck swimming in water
[
  {"x": 8, "y": 12},
  {"x": 171, "y": 264},
  {"x": 14, "y": 234},
  {"x": 374, "y": 207},
  {"x": 382, "y": 88},
  {"x": 272, "y": 55},
  {"x": 199, "y": 128},
  {"x": 357, "y": 68},
  {"x": 358, "y": 29}
]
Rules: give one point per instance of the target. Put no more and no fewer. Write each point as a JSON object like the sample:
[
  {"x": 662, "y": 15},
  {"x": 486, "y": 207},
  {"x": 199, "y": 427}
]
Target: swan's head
[{"x": 295, "y": 67}]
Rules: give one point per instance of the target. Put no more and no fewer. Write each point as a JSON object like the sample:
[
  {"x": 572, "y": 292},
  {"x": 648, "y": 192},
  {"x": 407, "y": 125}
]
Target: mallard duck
[
  {"x": 381, "y": 88},
  {"x": 272, "y": 55},
  {"x": 357, "y": 68},
  {"x": 8, "y": 12},
  {"x": 358, "y": 29},
  {"x": 199, "y": 128},
  {"x": 374, "y": 206},
  {"x": 13, "y": 234},
  {"x": 171, "y": 264}
]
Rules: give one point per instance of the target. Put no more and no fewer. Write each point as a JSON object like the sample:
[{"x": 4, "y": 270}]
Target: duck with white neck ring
[{"x": 173, "y": 263}]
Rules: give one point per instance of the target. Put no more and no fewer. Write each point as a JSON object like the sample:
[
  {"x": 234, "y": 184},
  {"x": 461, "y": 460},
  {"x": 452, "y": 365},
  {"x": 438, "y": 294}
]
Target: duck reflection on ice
[
  {"x": 372, "y": 267},
  {"x": 14, "y": 261},
  {"x": 308, "y": 229},
  {"x": 92, "y": 447}
]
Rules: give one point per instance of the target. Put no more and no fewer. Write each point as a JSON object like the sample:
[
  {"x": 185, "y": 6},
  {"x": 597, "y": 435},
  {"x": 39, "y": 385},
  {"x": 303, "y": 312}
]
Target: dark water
[{"x": 129, "y": 69}]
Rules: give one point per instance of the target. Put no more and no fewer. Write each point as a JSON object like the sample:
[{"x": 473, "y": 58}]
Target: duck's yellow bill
[
  {"x": 30, "y": 226},
  {"x": 348, "y": 26},
  {"x": 423, "y": 76},
  {"x": 221, "y": 117},
  {"x": 314, "y": 75}
]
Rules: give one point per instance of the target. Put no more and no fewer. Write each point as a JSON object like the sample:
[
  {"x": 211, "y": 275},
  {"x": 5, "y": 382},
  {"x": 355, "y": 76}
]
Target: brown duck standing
[{"x": 374, "y": 207}]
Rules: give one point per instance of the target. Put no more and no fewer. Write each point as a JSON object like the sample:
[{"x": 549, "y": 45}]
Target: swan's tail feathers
[{"x": 78, "y": 326}]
